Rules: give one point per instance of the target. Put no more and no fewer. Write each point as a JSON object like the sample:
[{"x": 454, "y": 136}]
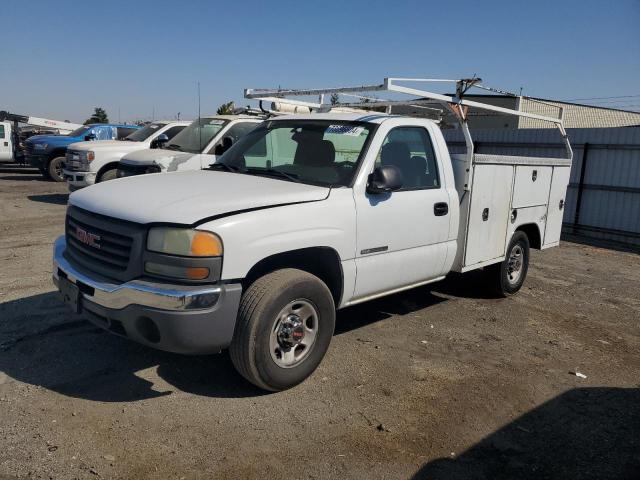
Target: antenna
[{"x": 199, "y": 125}]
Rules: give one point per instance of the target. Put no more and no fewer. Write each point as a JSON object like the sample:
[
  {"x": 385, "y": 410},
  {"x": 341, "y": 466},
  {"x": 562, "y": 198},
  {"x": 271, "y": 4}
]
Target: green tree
[
  {"x": 99, "y": 116},
  {"x": 226, "y": 109}
]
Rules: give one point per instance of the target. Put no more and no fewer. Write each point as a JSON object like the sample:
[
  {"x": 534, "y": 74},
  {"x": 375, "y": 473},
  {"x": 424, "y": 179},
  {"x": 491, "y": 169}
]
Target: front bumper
[
  {"x": 79, "y": 179},
  {"x": 177, "y": 318}
]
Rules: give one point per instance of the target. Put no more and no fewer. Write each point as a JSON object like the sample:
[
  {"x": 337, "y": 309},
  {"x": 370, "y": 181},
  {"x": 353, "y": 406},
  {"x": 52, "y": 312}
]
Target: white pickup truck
[
  {"x": 193, "y": 148},
  {"x": 93, "y": 162},
  {"x": 304, "y": 215}
]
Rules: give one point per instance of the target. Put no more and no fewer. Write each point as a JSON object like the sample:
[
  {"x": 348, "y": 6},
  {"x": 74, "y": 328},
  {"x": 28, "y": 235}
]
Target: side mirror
[
  {"x": 89, "y": 137},
  {"x": 385, "y": 179},
  {"x": 226, "y": 144},
  {"x": 159, "y": 141}
]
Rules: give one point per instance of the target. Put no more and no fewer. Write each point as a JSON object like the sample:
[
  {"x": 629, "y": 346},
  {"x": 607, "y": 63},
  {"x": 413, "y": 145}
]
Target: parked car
[
  {"x": 193, "y": 148},
  {"x": 303, "y": 215},
  {"x": 47, "y": 152},
  {"x": 93, "y": 162}
]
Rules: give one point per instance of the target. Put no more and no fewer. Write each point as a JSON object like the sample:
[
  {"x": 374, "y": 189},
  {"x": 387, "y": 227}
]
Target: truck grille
[
  {"x": 104, "y": 245},
  {"x": 75, "y": 161}
]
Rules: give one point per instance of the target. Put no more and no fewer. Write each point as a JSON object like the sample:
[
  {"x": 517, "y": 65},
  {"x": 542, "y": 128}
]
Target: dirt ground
[{"x": 441, "y": 382}]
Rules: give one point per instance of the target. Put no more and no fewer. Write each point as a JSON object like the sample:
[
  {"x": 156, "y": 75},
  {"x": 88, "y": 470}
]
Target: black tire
[
  {"x": 258, "y": 317},
  {"x": 110, "y": 174},
  {"x": 54, "y": 168},
  {"x": 505, "y": 280}
]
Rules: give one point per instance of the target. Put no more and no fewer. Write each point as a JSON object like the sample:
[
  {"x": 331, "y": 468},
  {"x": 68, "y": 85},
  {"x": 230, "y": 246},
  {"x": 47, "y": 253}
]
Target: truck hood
[
  {"x": 51, "y": 139},
  {"x": 189, "y": 197},
  {"x": 107, "y": 145},
  {"x": 159, "y": 156}
]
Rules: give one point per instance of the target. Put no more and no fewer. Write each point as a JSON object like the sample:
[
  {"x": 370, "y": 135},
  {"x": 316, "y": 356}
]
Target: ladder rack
[{"x": 456, "y": 103}]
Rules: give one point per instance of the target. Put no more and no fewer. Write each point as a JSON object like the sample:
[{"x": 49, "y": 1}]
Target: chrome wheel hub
[
  {"x": 514, "y": 265},
  {"x": 293, "y": 333}
]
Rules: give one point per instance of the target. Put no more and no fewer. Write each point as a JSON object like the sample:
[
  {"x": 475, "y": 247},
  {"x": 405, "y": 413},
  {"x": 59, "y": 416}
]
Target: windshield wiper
[
  {"x": 173, "y": 146},
  {"x": 274, "y": 173},
  {"x": 225, "y": 166}
]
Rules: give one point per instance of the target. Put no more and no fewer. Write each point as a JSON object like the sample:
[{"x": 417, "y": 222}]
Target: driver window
[
  {"x": 411, "y": 151},
  {"x": 231, "y": 136}
]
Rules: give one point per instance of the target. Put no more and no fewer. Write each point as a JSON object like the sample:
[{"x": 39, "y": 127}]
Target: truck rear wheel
[
  {"x": 511, "y": 273},
  {"x": 55, "y": 169},
  {"x": 284, "y": 327}
]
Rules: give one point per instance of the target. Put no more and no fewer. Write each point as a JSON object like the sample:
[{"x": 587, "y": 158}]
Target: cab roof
[
  {"x": 370, "y": 117},
  {"x": 231, "y": 117}
]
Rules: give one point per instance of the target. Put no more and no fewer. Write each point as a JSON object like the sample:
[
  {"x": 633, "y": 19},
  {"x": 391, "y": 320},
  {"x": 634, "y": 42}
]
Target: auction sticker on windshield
[{"x": 345, "y": 130}]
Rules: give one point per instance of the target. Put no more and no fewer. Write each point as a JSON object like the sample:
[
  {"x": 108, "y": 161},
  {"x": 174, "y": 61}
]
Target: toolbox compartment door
[
  {"x": 531, "y": 186},
  {"x": 489, "y": 213},
  {"x": 556, "y": 207}
]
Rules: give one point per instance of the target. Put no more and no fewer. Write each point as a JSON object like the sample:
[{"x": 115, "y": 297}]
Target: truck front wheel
[
  {"x": 285, "y": 324},
  {"x": 511, "y": 273},
  {"x": 110, "y": 174},
  {"x": 55, "y": 169}
]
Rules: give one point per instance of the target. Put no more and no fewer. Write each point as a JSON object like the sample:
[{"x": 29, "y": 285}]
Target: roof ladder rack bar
[{"x": 453, "y": 103}]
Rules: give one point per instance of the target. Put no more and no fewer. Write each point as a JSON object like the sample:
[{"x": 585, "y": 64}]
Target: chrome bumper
[
  {"x": 78, "y": 178},
  {"x": 117, "y": 296}
]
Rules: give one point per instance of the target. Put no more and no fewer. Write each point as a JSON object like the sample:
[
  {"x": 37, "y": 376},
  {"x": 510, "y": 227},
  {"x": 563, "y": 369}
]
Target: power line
[
  {"x": 612, "y": 102},
  {"x": 601, "y": 98}
]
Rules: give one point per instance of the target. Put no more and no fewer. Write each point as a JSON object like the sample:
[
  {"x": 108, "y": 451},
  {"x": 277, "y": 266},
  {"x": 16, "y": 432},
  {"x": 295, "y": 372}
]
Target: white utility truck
[
  {"x": 6, "y": 142},
  {"x": 10, "y": 149},
  {"x": 304, "y": 215},
  {"x": 193, "y": 148},
  {"x": 97, "y": 161}
]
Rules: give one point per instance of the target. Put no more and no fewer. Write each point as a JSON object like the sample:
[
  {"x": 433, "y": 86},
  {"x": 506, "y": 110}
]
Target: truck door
[
  {"x": 6, "y": 143},
  {"x": 402, "y": 236}
]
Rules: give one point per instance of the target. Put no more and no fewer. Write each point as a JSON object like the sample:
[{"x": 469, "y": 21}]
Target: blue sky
[{"x": 60, "y": 59}]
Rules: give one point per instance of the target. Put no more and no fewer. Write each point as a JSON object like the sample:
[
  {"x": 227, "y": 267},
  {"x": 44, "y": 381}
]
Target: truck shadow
[
  {"x": 42, "y": 343},
  {"x": 54, "y": 198},
  {"x": 585, "y": 433},
  {"x": 469, "y": 285}
]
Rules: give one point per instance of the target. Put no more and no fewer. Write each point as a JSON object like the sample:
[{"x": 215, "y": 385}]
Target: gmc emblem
[{"x": 87, "y": 238}]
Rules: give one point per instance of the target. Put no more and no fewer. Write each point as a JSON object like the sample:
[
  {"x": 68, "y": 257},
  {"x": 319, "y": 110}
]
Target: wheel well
[
  {"x": 323, "y": 262},
  {"x": 60, "y": 152},
  {"x": 106, "y": 167},
  {"x": 533, "y": 234}
]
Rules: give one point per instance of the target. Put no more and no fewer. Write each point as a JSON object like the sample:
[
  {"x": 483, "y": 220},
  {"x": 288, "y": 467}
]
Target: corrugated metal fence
[{"x": 603, "y": 199}]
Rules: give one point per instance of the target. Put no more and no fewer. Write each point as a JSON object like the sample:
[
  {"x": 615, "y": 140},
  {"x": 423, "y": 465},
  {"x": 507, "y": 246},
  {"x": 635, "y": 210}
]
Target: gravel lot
[{"x": 439, "y": 382}]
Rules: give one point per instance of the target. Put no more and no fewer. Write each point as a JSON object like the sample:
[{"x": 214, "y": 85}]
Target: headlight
[
  {"x": 40, "y": 146},
  {"x": 91, "y": 156},
  {"x": 184, "y": 242}
]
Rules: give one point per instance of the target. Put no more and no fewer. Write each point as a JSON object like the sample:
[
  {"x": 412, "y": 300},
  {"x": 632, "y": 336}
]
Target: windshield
[
  {"x": 78, "y": 131},
  {"x": 197, "y": 135},
  {"x": 320, "y": 152},
  {"x": 145, "y": 132}
]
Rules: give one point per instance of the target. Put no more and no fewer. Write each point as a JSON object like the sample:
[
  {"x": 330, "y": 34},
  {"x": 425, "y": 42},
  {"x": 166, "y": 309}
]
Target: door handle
[{"x": 440, "y": 209}]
